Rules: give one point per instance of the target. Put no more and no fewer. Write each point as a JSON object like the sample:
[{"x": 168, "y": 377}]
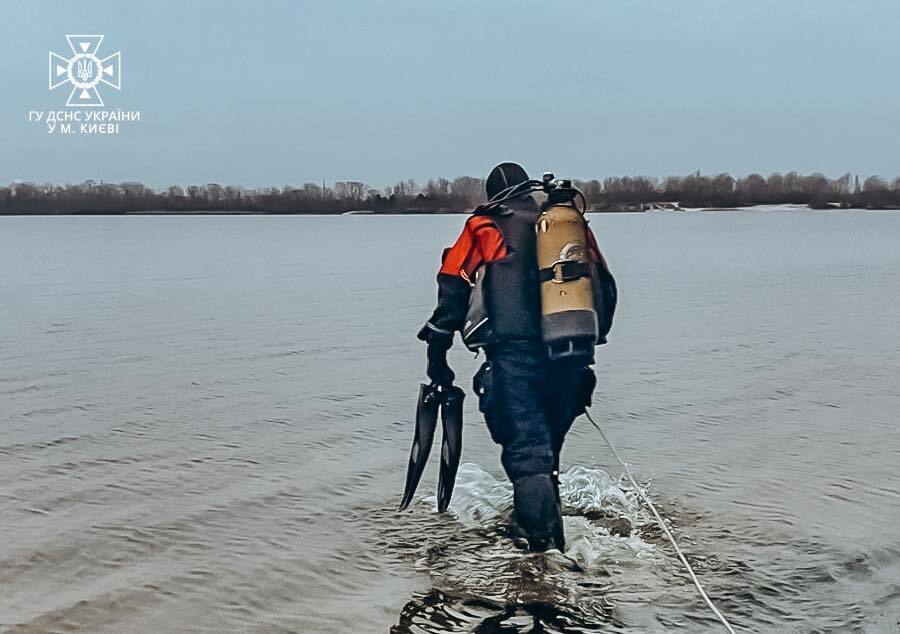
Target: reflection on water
[
  {"x": 488, "y": 585},
  {"x": 608, "y": 579},
  {"x": 204, "y": 424}
]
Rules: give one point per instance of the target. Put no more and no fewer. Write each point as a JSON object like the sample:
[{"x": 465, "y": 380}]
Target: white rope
[{"x": 662, "y": 525}]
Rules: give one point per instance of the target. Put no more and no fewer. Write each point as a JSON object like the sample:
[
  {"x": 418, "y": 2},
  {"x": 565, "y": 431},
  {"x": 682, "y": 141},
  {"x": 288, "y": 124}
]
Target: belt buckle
[{"x": 559, "y": 271}]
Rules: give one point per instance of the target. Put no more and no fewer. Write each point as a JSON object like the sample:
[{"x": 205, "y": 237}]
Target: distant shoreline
[
  {"x": 419, "y": 212},
  {"x": 628, "y": 194}
]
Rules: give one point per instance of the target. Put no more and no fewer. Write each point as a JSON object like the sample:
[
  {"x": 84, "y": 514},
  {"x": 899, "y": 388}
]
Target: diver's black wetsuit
[
  {"x": 528, "y": 401},
  {"x": 529, "y": 404}
]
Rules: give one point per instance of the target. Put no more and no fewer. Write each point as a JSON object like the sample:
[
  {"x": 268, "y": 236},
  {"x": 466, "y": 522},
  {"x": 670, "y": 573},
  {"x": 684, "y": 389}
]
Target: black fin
[
  {"x": 451, "y": 443},
  {"x": 426, "y": 421}
]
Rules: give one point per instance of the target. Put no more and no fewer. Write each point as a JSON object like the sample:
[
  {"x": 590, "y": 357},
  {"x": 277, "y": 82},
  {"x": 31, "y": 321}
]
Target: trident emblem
[{"x": 85, "y": 71}]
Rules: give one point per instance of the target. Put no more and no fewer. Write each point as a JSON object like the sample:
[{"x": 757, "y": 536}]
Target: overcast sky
[{"x": 274, "y": 93}]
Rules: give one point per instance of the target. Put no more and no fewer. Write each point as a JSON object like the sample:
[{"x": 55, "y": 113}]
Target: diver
[{"x": 536, "y": 297}]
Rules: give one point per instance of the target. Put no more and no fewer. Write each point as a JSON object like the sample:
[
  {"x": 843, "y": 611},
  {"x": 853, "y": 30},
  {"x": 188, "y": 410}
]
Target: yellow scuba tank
[{"x": 568, "y": 315}]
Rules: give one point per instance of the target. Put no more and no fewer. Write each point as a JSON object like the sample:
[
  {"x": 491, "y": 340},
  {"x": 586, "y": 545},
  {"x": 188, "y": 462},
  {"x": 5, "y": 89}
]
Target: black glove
[{"x": 438, "y": 371}]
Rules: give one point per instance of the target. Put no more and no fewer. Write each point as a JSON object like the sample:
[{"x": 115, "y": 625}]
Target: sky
[{"x": 281, "y": 93}]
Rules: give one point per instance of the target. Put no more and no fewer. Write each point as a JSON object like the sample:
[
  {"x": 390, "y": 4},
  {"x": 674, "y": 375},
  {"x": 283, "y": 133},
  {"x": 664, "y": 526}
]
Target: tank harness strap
[{"x": 565, "y": 271}]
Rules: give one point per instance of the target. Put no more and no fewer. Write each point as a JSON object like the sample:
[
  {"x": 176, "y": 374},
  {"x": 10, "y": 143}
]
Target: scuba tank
[
  {"x": 574, "y": 297},
  {"x": 568, "y": 316}
]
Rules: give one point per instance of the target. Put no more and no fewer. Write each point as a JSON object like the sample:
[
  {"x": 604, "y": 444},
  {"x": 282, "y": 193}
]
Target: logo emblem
[
  {"x": 85, "y": 71},
  {"x": 572, "y": 251}
]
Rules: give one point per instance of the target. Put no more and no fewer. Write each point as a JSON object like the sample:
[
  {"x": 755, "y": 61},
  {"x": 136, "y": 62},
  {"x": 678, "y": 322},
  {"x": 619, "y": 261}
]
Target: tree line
[{"x": 628, "y": 193}]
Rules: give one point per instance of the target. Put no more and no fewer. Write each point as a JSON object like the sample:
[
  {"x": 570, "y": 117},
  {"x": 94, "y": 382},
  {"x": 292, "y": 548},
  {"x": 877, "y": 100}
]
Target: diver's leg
[
  {"x": 538, "y": 513},
  {"x": 526, "y": 437},
  {"x": 569, "y": 386},
  {"x": 564, "y": 399},
  {"x": 521, "y": 426}
]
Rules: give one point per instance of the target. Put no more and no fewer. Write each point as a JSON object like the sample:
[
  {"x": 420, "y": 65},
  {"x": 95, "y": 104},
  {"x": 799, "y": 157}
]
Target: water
[{"x": 204, "y": 423}]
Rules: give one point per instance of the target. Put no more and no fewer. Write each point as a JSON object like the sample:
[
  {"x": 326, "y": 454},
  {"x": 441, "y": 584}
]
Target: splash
[
  {"x": 602, "y": 519},
  {"x": 480, "y": 497},
  {"x": 585, "y": 489},
  {"x": 482, "y": 580}
]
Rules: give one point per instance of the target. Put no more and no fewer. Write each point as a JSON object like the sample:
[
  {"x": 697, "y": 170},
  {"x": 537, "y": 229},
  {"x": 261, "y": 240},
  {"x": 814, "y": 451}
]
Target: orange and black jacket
[{"x": 482, "y": 242}]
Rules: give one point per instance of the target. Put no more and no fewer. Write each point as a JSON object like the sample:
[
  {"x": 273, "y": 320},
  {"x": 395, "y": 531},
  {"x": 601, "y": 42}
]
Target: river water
[{"x": 204, "y": 423}]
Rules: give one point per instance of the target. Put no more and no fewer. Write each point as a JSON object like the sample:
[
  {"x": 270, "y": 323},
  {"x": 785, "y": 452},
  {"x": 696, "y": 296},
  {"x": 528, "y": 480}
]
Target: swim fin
[
  {"x": 426, "y": 421},
  {"x": 451, "y": 443}
]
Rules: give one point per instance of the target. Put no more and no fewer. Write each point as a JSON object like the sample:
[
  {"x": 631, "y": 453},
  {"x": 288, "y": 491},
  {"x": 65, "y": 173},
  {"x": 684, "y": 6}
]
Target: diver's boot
[{"x": 538, "y": 513}]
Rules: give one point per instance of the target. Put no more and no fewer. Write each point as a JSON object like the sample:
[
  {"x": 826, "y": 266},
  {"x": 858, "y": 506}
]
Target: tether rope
[{"x": 662, "y": 525}]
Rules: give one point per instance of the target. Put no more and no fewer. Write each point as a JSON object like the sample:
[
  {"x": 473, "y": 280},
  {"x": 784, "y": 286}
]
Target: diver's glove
[{"x": 438, "y": 371}]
